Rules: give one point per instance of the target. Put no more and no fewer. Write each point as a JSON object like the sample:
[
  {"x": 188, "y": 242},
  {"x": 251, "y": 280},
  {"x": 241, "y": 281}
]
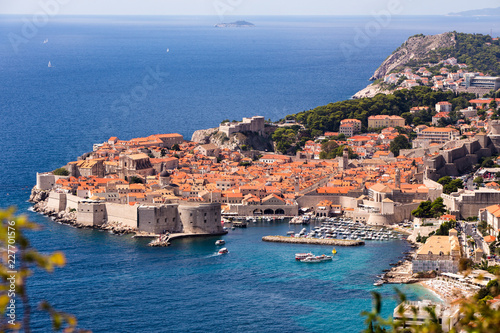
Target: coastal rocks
[
  {"x": 117, "y": 228},
  {"x": 312, "y": 241},
  {"x": 415, "y": 48},
  {"x": 236, "y": 141},
  {"x": 64, "y": 217},
  {"x": 38, "y": 195},
  {"x": 371, "y": 91},
  {"x": 401, "y": 274},
  {"x": 69, "y": 217},
  {"x": 425, "y": 275},
  {"x": 203, "y": 136}
]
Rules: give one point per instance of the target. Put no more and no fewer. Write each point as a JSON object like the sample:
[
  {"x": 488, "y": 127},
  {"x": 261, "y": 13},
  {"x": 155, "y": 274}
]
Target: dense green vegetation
[
  {"x": 473, "y": 50},
  {"x": 286, "y": 138},
  {"x": 478, "y": 180},
  {"x": 331, "y": 149},
  {"x": 61, "y": 172},
  {"x": 135, "y": 180},
  {"x": 328, "y": 117},
  {"x": 470, "y": 49},
  {"x": 491, "y": 290},
  {"x": 428, "y": 209},
  {"x": 445, "y": 227},
  {"x": 399, "y": 142},
  {"x": 450, "y": 185}
]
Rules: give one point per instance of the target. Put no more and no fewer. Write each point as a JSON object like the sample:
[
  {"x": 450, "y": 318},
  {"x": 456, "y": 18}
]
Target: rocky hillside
[
  {"x": 415, "y": 48},
  {"x": 243, "y": 141},
  {"x": 371, "y": 91}
]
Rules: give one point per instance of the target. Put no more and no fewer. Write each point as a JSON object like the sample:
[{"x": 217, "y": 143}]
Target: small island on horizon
[
  {"x": 478, "y": 12},
  {"x": 237, "y": 24}
]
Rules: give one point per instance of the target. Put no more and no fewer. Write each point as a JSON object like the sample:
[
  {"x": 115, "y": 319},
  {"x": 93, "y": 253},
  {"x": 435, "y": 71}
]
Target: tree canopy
[
  {"x": 428, "y": 209},
  {"x": 399, "y": 142},
  {"x": 61, "y": 172},
  {"x": 450, "y": 185},
  {"x": 330, "y": 150},
  {"x": 328, "y": 117}
]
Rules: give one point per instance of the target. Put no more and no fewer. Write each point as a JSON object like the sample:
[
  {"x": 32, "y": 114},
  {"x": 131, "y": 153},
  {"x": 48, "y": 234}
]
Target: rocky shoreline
[
  {"x": 401, "y": 272},
  {"x": 39, "y": 199}
]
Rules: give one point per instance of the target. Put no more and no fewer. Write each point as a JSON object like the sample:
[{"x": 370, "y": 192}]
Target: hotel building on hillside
[
  {"x": 439, "y": 253},
  {"x": 438, "y": 134},
  {"x": 385, "y": 121}
]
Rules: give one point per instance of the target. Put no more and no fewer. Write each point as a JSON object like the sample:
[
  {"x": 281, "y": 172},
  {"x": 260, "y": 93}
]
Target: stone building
[
  {"x": 491, "y": 215},
  {"x": 91, "y": 213},
  {"x": 465, "y": 204},
  {"x": 91, "y": 167},
  {"x": 444, "y": 107},
  {"x": 254, "y": 124},
  {"x": 344, "y": 160},
  {"x": 438, "y": 134},
  {"x": 208, "y": 149},
  {"x": 439, "y": 253},
  {"x": 385, "y": 121},
  {"x": 135, "y": 165},
  {"x": 190, "y": 218}
]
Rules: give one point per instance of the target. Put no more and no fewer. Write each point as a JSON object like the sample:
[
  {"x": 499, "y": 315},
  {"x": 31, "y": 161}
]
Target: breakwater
[{"x": 313, "y": 241}]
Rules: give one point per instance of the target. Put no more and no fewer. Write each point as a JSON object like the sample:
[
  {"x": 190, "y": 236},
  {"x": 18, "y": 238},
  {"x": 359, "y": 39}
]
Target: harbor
[
  {"x": 341, "y": 229},
  {"x": 313, "y": 241}
]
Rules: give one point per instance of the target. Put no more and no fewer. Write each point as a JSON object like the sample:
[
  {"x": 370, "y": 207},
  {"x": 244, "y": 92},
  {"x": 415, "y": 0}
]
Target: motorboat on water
[
  {"x": 223, "y": 251},
  {"x": 313, "y": 259},
  {"x": 301, "y": 256},
  {"x": 220, "y": 242}
]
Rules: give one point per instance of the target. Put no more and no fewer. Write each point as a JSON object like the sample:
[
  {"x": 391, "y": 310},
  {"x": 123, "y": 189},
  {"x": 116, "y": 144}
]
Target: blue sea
[{"x": 135, "y": 76}]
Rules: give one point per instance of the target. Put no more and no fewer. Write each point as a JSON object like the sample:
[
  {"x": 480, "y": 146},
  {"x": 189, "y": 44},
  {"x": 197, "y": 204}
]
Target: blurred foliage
[
  {"x": 476, "y": 317},
  {"x": 18, "y": 260}
]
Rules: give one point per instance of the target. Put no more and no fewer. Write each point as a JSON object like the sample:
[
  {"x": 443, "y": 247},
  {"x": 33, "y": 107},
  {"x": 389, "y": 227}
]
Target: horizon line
[{"x": 241, "y": 15}]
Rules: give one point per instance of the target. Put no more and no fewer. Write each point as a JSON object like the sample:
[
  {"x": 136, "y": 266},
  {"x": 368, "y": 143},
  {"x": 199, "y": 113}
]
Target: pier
[{"x": 313, "y": 241}]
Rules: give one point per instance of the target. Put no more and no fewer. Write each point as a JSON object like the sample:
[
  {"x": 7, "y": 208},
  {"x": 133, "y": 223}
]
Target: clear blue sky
[{"x": 242, "y": 7}]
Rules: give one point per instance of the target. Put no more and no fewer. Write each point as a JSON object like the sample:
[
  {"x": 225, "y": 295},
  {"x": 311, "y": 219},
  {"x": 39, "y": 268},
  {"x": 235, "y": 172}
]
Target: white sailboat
[
  {"x": 50, "y": 65},
  {"x": 46, "y": 41}
]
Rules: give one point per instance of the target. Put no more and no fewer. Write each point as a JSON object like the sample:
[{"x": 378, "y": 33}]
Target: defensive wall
[
  {"x": 457, "y": 161},
  {"x": 153, "y": 218}
]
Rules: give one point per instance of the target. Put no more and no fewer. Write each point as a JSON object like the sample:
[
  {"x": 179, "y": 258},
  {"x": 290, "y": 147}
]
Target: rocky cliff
[
  {"x": 371, "y": 90},
  {"x": 415, "y": 48},
  {"x": 246, "y": 140}
]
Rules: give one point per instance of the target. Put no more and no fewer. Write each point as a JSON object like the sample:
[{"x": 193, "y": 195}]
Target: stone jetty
[{"x": 313, "y": 241}]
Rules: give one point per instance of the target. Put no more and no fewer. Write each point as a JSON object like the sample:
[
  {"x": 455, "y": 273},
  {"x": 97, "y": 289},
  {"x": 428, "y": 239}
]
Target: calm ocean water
[{"x": 49, "y": 116}]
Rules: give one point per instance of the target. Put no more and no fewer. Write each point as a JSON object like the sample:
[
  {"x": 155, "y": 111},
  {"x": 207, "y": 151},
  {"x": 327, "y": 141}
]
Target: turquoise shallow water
[{"x": 284, "y": 65}]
